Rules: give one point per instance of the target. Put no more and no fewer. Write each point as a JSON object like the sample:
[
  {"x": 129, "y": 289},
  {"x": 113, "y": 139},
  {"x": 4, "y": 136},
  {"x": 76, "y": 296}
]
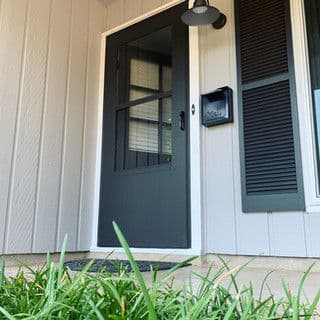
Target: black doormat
[{"x": 113, "y": 266}]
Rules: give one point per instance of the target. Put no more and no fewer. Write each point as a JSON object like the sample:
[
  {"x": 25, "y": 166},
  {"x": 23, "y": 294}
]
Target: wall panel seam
[
  {"x": 269, "y": 233},
  {"x": 44, "y": 108},
  {"x": 204, "y": 79},
  {"x": 1, "y": 12},
  {"x": 84, "y": 122},
  {"x": 305, "y": 234},
  {"x": 234, "y": 196},
  {"x": 16, "y": 130},
  {"x": 2, "y": 6},
  {"x": 63, "y": 146},
  {"x": 231, "y": 55},
  {"x": 5, "y": 213},
  {"x": 310, "y": 246},
  {"x": 106, "y": 11}
]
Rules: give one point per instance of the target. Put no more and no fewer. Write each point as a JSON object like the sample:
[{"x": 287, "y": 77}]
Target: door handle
[{"x": 182, "y": 120}]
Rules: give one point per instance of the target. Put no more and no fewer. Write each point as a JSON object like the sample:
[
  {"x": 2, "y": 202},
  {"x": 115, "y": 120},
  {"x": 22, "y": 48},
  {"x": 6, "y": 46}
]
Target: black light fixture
[{"x": 202, "y": 13}]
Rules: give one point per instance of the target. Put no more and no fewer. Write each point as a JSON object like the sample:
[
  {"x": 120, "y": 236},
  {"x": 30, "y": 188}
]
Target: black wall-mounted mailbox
[{"x": 217, "y": 107}]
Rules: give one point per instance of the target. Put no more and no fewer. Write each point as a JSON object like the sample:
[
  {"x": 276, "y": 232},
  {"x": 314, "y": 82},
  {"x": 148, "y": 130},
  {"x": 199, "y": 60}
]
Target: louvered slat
[
  {"x": 274, "y": 152},
  {"x": 263, "y": 37},
  {"x": 270, "y": 163}
]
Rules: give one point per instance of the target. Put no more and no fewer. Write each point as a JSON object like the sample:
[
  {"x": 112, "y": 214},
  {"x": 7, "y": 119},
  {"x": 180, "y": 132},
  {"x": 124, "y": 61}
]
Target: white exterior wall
[
  {"x": 49, "y": 69},
  {"x": 228, "y": 229},
  {"x": 49, "y": 80}
]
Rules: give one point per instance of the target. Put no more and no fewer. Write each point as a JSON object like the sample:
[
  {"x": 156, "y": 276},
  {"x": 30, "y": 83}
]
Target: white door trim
[{"x": 194, "y": 142}]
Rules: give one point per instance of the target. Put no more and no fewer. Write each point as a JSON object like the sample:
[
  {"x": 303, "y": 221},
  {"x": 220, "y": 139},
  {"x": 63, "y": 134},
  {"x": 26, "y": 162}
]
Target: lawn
[{"x": 53, "y": 292}]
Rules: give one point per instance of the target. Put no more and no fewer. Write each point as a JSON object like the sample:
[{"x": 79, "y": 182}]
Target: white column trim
[
  {"x": 195, "y": 140},
  {"x": 305, "y": 106}
]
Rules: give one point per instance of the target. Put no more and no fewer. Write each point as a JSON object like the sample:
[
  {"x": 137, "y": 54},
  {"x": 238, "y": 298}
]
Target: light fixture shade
[{"x": 201, "y": 13}]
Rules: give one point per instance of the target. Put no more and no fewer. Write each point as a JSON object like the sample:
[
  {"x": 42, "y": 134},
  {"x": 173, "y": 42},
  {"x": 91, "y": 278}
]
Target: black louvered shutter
[{"x": 269, "y": 136}]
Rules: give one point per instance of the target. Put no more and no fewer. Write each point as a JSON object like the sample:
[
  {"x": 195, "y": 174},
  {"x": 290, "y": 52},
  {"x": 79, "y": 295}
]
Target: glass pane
[
  {"x": 145, "y": 111},
  {"x": 144, "y": 135},
  {"x": 136, "y": 94},
  {"x": 167, "y": 129},
  {"x": 145, "y": 66},
  {"x": 167, "y": 110},
  {"x": 166, "y": 78},
  {"x": 144, "y": 74},
  {"x": 166, "y": 140}
]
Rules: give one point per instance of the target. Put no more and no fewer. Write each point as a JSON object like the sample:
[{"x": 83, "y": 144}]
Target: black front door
[{"x": 144, "y": 180}]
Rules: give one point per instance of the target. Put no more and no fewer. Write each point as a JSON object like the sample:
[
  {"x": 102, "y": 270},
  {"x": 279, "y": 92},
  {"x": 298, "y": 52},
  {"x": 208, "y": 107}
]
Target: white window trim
[
  {"x": 194, "y": 143},
  {"x": 305, "y": 106}
]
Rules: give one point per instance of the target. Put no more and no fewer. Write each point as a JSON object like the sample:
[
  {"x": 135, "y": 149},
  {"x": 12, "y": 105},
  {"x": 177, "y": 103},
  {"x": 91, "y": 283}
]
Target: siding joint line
[
  {"x": 84, "y": 122},
  {"x": 17, "y": 126},
  {"x": 44, "y": 109},
  {"x": 63, "y": 147}
]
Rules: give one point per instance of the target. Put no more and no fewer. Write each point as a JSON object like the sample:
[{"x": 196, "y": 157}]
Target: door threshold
[
  {"x": 147, "y": 251},
  {"x": 165, "y": 255}
]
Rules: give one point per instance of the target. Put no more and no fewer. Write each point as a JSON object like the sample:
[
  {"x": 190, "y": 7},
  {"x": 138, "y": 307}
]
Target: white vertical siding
[
  {"x": 73, "y": 125},
  {"x": 49, "y": 62},
  {"x": 28, "y": 129},
  {"x": 46, "y": 214},
  {"x": 97, "y": 21},
  {"x": 12, "y": 43},
  {"x": 219, "y": 198},
  {"x": 228, "y": 229},
  {"x": 287, "y": 234},
  {"x": 121, "y": 11},
  {"x": 132, "y": 10},
  {"x": 115, "y": 13},
  {"x": 148, "y": 5},
  {"x": 49, "y": 80},
  {"x": 312, "y": 223}
]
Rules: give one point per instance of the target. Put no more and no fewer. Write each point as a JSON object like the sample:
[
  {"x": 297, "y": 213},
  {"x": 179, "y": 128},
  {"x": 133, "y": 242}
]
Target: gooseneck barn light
[{"x": 202, "y": 13}]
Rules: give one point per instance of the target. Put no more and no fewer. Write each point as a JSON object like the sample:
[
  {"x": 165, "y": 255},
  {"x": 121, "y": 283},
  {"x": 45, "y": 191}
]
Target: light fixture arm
[{"x": 221, "y": 22}]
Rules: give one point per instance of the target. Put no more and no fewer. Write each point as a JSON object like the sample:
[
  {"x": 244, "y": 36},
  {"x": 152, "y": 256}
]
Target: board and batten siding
[
  {"x": 227, "y": 229},
  {"x": 49, "y": 89},
  {"x": 49, "y": 79}
]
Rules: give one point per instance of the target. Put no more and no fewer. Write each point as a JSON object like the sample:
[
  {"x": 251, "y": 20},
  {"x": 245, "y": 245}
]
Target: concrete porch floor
[{"x": 289, "y": 269}]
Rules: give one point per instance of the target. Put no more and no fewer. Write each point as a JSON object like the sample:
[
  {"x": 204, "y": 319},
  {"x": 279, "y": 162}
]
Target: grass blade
[
  {"x": 61, "y": 262},
  {"x": 134, "y": 266},
  {"x": 6, "y": 314},
  {"x": 2, "y": 278}
]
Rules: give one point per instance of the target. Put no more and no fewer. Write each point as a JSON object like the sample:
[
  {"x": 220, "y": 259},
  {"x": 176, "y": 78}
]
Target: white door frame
[{"x": 194, "y": 143}]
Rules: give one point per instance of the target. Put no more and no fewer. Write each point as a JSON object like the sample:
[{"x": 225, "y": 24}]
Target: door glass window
[
  {"x": 144, "y": 118},
  {"x": 144, "y": 135}
]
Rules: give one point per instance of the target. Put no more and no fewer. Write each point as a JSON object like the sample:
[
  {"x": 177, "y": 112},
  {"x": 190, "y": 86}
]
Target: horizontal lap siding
[{"x": 45, "y": 99}]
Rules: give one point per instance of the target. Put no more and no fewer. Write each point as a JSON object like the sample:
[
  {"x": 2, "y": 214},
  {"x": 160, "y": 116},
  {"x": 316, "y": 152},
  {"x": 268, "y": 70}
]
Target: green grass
[{"x": 52, "y": 292}]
